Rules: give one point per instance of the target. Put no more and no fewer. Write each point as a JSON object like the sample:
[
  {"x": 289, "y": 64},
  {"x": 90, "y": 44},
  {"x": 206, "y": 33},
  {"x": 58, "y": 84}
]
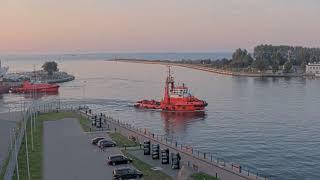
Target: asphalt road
[{"x": 68, "y": 154}]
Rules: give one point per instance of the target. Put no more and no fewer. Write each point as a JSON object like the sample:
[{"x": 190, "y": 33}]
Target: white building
[{"x": 313, "y": 68}]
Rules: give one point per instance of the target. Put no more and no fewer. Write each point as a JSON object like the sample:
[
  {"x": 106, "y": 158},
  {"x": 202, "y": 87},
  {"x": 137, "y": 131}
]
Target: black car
[
  {"x": 155, "y": 151},
  {"x": 175, "y": 161},
  {"x": 118, "y": 159},
  {"x": 96, "y": 140},
  {"x": 106, "y": 143},
  {"x": 126, "y": 173}
]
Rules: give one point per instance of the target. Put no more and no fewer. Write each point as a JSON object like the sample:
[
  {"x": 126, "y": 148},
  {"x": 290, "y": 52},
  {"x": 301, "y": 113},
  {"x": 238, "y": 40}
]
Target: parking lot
[{"x": 68, "y": 154}]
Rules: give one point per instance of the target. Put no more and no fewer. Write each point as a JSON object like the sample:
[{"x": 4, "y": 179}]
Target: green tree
[
  {"x": 287, "y": 67},
  {"x": 50, "y": 67},
  {"x": 260, "y": 64},
  {"x": 241, "y": 59}
]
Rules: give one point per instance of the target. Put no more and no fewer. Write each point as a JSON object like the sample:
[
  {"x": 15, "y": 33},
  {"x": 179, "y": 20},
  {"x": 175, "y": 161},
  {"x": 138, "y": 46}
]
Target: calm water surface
[{"x": 269, "y": 125}]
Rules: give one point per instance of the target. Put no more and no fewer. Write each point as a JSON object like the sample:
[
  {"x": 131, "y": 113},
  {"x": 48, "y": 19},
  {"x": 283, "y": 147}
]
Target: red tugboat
[
  {"x": 36, "y": 87},
  {"x": 176, "y": 98}
]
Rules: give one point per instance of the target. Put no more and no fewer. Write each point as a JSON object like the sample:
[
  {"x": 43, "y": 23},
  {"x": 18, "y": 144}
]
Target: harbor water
[{"x": 270, "y": 125}]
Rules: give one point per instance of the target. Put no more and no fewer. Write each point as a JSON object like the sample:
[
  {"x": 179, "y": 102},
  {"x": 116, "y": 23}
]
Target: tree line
[{"x": 264, "y": 57}]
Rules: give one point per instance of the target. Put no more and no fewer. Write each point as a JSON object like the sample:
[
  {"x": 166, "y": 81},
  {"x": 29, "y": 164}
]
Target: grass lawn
[
  {"x": 35, "y": 156},
  {"x": 145, "y": 168},
  {"x": 202, "y": 176},
  {"x": 122, "y": 140},
  {"x": 4, "y": 165}
]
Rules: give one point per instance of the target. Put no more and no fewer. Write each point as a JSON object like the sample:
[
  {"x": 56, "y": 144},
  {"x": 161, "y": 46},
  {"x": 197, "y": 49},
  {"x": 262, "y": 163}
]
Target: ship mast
[{"x": 169, "y": 86}]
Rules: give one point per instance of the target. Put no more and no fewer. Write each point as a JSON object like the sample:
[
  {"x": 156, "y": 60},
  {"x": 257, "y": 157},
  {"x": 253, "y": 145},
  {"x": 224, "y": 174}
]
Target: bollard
[
  {"x": 204, "y": 155},
  {"x": 216, "y": 175}
]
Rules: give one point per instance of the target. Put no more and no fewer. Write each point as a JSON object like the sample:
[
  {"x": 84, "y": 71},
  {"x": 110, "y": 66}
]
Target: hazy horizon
[{"x": 181, "y": 26}]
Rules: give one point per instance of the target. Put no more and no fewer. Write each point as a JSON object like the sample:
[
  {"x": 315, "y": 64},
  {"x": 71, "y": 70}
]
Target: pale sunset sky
[{"x": 59, "y": 26}]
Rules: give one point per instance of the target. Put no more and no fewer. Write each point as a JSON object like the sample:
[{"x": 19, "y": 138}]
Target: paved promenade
[
  {"x": 68, "y": 154},
  {"x": 8, "y": 121},
  {"x": 188, "y": 159}
]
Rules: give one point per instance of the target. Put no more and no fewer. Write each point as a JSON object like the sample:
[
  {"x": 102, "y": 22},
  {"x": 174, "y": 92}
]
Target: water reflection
[{"x": 177, "y": 122}]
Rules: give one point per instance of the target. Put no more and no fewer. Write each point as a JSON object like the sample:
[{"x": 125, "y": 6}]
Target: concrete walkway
[
  {"x": 68, "y": 154},
  {"x": 183, "y": 174},
  {"x": 197, "y": 163}
]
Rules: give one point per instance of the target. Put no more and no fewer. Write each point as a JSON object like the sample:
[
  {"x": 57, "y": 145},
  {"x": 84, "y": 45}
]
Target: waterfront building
[{"x": 313, "y": 69}]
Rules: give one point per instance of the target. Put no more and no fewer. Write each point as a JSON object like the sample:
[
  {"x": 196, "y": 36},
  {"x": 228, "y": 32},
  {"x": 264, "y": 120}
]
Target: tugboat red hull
[
  {"x": 177, "y": 99},
  {"x": 181, "y": 107},
  {"x": 27, "y": 87}
]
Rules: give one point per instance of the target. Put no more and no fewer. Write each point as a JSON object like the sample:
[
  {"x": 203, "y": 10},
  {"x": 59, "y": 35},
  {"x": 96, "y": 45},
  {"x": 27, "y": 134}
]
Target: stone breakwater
[{"x": 56, "y": 77}]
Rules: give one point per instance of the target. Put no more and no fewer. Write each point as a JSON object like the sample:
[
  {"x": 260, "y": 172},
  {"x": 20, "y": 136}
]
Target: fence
[
  {"x": 200, "y": 161},
  {"x": 28, "y": 115}
]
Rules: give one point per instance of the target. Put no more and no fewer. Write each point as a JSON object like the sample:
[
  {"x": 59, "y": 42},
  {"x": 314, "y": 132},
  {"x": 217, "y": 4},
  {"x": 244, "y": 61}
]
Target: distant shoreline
[{"x": 207, "y": 69}]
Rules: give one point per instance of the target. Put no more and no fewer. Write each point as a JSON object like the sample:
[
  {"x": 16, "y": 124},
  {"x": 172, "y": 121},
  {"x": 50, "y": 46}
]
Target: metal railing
[
  {"x": 29, "y": 113},
  {"x": 205, "y": 157}
]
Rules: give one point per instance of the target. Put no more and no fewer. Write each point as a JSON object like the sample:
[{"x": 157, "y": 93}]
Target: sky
[{"x": 60, "y": 26}]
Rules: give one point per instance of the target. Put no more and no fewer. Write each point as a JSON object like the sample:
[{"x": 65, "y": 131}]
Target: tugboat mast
[{"x": 166, "y": 89}]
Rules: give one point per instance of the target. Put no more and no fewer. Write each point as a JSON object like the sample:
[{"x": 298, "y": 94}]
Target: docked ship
[
  {"x": 176, "y": 99},
  {"x": 36, "y": 87},
  {"x": 3, "y": 71}
]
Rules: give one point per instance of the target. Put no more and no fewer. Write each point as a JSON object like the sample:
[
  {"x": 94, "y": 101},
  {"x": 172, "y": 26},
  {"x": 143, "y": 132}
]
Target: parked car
[
  {"x": 127, "y": 173},
  {"x": 96, "y": 140},
  {"x": 155, "y": 151},
  {"x": 175, "y": 160},
  {"x": 106, "y": 143},
  {"x": 118, "y": 159}
]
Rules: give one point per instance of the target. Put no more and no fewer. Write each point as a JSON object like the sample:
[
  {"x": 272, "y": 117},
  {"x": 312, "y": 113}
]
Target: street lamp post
[
  {"x": 27, "y": 151},
  {"x": 16, "y": 158},
  {"x": 84, "y": 92}
]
